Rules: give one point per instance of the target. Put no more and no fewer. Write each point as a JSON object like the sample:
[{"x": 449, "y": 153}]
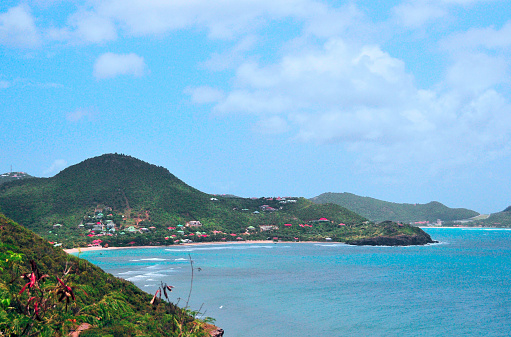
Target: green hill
[
  {"x": 499, "y": 219},
  {"x": 378, "y": 210},
  {"x": 120, "y": 200},
  {"x": 41, "y": 305}
]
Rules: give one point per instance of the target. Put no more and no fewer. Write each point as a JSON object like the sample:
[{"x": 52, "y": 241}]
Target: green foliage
[
  {"x": 112, "y": 306},
  {"x": 378, "y": 210},
  {"x": 499, "y": 219}
]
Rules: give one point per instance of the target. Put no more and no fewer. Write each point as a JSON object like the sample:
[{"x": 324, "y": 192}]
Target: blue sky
[{"x": 405, "y": 101}]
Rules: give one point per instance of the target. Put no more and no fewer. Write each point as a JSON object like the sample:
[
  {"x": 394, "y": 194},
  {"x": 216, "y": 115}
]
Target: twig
[{"x": 191, "y": 280}]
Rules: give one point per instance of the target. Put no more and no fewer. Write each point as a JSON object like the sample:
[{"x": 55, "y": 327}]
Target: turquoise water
[{"x": 459, "y": 287}]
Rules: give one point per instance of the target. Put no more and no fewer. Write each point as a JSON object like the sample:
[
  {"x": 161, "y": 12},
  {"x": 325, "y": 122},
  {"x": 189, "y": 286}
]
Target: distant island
[
  {"x": 118, "y": 200},
  {"x": 379, "y": 210},
  {"x": 430, "y": 214}
]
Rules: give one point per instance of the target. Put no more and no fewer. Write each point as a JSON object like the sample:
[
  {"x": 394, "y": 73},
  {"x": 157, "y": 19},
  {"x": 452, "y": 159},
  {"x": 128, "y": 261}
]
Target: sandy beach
[{"x": 85, "y": 249}]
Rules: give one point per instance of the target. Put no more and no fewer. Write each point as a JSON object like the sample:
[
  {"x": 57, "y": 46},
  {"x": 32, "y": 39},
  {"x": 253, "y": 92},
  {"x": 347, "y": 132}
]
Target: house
[
  {"x": 265, "y": 228},
  {"x": 193, "y": 224},
  {"x": 98, "y": 227},
  {"x": 132, "y": 229}
]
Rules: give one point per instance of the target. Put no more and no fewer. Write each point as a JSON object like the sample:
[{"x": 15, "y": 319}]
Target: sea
[{"x": 460, "y": 286}]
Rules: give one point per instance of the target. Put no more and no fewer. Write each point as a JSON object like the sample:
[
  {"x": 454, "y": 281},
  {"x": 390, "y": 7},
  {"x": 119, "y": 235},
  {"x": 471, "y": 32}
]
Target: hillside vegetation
[
  {"x": 119, "y": 200},
  {"x": 499, "y": 219},
  {"x": 378, "y": 210},
  {"x": 58, "y": 292}
]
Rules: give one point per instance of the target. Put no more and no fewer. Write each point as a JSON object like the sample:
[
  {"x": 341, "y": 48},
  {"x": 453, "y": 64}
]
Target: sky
[{"x": 405, "y": 101}]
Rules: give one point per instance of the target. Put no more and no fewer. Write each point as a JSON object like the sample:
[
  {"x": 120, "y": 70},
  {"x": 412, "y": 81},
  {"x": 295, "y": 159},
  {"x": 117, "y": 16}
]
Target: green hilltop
[
  {"x": 378, "y": 210},
  {"x": 10, "y": 176},
  {"x": 38, "y": 304},
  {"x": 120, "y": 200}
]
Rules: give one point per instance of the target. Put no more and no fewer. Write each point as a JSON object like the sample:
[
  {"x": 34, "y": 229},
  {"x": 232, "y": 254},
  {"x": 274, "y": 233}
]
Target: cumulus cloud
[
  {"x": 56, "y": 166},
  {"x": 475, "y": 38},
  {"x": 419, "y": 13},
  {"x": 363, "y": 98},
  {"x": 485, "y": 72},
  {"x": 231, "y": 18},
  {"x": 87, "y": 27},
  {"x": 272, "y": 125},
  {"x": 18, "y": 29},
  {"x": 231, "y": 57},
  {"x": 111, "y": 65}
]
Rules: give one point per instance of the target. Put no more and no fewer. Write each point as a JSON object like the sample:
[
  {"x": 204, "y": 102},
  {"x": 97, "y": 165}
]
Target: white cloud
[
  {"x": 416, "y": 14},
  {"x": 80, "y": 115},
  {"x": 419, "y": 13},
  {"x": 363, "y": 98},
  {"x": 333, "y": 76},
  {"x": 18, "y": 29},
  {"x": 224, "y": 19},
  {"x": 272, "y": 125},
  {"x": 475, "y": 38},
  {"x": 92, "y": 28},
  {"x": 485, "y": 72},
  {"x": 56, "y": 166},
  {"x": 110, "y": 65},
  {"x": 233, "y": 56}
]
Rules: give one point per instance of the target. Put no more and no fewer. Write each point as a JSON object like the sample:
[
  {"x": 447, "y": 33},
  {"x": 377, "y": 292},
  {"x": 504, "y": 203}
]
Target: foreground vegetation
[{"x": 46, "y": 292}]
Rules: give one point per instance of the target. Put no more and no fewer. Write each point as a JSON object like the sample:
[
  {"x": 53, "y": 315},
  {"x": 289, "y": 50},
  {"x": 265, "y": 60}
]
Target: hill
[
  {"x": 119, "y": 200},
  {"x": 378, "y": 210},
  {"x": 499, "y": 219},
  {"x": 10, "y": 176},
  {"x": 58, "y": 293}
]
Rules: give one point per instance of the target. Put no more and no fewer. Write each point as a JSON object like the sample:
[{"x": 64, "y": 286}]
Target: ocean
[{"x": 460, "y": 286}]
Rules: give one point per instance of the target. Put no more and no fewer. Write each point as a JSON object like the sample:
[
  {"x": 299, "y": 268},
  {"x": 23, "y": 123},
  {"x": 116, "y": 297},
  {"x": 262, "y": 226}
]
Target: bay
[{"x": 458, "y": 287}]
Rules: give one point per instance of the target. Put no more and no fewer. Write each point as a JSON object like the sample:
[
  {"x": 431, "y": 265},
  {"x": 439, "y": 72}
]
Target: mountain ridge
[{"x": 379, "y": 210}]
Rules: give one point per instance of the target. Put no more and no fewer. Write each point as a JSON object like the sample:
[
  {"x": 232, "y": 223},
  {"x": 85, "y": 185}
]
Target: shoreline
[{"x": 85, "y": 249}]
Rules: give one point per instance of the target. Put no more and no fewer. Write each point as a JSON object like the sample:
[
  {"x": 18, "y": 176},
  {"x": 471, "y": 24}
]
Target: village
[{"x": 104, "y": 225}]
